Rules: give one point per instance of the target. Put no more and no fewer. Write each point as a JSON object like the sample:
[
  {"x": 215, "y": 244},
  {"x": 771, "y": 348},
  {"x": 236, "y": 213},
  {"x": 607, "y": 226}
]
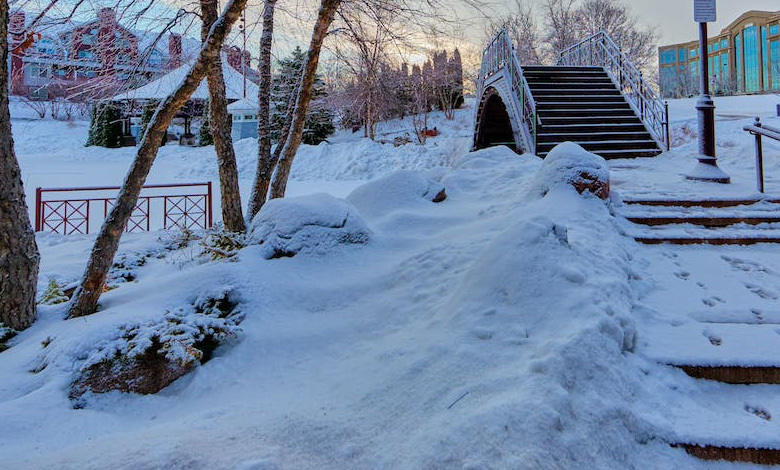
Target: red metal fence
[{"x": 80, "y": 210}]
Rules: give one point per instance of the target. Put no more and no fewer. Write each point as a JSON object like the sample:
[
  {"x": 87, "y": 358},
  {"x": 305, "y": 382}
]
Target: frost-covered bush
[
  {"x": 125, "y": 267},
  {"x": 54, "y": 294},
  {"x": 313, "y": 224},
  {"x": 6, "y": 334},
  {"x": 569, "y": 166},
  {"x": 219, "y": 244},
  {"x": 398, "y": 190},
  {"x": 145, "y": 358}
]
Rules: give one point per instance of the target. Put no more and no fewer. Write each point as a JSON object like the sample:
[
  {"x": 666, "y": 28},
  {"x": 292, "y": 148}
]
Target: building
[
  {"x": 743, "y": 59},
  {"x": 94, "y": 59}
]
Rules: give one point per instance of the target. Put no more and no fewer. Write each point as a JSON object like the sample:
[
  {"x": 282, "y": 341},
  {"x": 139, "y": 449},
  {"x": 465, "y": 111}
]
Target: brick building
[{"x": 93, "y": 59}]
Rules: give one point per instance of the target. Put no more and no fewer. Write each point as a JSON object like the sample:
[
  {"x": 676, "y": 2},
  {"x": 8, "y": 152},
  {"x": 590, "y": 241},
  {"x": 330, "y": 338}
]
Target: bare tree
[
  {"x": 266, "y": 162},
  {"x": 562, "y": 29},
  {"x": 614, "y": 18},
  {"x": 325, "y": 17},
  {"x": 19, "y": 256},
  {"x": 524, "y": 31},
  {"x": 221, "y": 125},
  {"x": 85, "y": 299}
]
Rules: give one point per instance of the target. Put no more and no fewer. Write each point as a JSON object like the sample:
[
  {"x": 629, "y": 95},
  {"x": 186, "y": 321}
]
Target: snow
[{"x": 504, "y": 327}]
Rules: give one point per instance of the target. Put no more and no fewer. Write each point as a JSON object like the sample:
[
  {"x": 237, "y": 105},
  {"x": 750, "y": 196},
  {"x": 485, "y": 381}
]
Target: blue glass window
[
  {"x": 724, "y": 44},
  {"x": 764, "y": 59},
  {"x": 682, "y": 55},
  {"x": 774, "y": 29},
  {"x": 774, "y": 54},
  {"x": 751, "y": 59},
  {"x": 738, "y": 63}
]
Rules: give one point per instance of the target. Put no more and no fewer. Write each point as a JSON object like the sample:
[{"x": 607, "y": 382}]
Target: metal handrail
[
  {"x": 497, "y": 56},
  {"x": 760, "y": 130},
  {"x": 600, "y": 50}
]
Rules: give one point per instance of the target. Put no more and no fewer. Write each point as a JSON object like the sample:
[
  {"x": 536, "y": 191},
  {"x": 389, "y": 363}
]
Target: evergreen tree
[
  {"x": 105, "y": 128},
  {"x": 204, "y": 133},
  {"x": 319, "y": 119}
]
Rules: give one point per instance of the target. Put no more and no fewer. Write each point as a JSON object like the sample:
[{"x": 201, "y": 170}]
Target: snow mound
[
  {"x": 569, "y": 166},
  {"x": 314, "y": 224},
  {"x": 405, "y": 188}
]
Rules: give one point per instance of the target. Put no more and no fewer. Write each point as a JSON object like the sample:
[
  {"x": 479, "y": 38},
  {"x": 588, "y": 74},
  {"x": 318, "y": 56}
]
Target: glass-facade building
[{"x": 743, "y": 59}]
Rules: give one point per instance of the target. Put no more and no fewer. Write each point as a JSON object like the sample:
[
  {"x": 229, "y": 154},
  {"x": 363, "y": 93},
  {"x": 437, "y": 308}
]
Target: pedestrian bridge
[{"x": 594, "y": 97}]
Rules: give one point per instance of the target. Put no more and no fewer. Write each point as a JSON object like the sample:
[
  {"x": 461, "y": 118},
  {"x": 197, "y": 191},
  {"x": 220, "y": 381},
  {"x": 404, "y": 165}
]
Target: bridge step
[
  {"x": 604, "y": 145},
  {"x": 590, "y": 113},
  {"x": 544, "y": 106},
  {"x": 589, "y": 92},
  {"x": 621, "y": 153},
  {"x": 587, "y": 128},
  {"x": 556, "y": 69},
  {"x": 591, "y": 121},
  {"x": 559, "y": 137},
  {"x": 605, "y": 84}
]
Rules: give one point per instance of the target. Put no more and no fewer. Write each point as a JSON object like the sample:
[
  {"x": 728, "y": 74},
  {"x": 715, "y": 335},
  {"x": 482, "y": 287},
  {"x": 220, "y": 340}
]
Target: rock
[
  {"x": 313, "y": 224},
  {"x": 145, "y": 373},
  {"x": 398, "y": 190},
  {"x": 569, "y": 165}
]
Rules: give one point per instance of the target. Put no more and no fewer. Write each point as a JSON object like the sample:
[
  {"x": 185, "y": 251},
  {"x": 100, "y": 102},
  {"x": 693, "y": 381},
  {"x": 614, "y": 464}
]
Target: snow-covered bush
[
  {"x": 219, "y": 244},
  {"x": 145, "y": 358},
  {"x": 313, "y": 224},
  {"x": 405, "y": 188},
  {"x": 53, "y": 294},
  {"x": 6, "y": 334},
  {"x": 569, "y": 166}
]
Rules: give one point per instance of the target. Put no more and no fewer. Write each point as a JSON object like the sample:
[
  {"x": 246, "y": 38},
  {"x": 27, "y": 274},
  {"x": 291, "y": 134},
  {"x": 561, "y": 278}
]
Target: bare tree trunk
[
  {"x": 306, "y": 84},
  {"x": 221, "y": 126},
  {"x": 19, "y": 256},
  {"x": 87, "y": 295},
  {"x": 266, "y": 163}
]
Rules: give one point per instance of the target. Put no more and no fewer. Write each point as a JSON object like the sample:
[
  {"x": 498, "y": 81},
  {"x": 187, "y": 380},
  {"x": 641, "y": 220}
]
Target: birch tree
[
  {"x": 221, "y": 126},
  {"x": 19, "y": 256},
  {"x": 85, "y": 299},
  {"x": 265, "y": 161}
]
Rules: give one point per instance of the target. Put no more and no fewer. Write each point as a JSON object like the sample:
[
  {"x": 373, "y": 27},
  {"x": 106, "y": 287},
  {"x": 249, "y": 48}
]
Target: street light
[{"x": 707, "y": 167}]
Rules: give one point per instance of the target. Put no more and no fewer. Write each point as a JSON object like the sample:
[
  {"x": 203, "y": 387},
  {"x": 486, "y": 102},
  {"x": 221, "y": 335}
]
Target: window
[
  {"x": 774, "y": 55},
  {"x": 724, "y": 44},
  {"x": 682, "y": 55},
  {"x": 751, "y": 59},
  {"x": 85, "y": 54},
  {"x": 37, "y": 71},
  {"x": 738, "y": 63},
  {"x": 88, "y": 39},
  {"x": 774, "y": 29},
  {"x": 764, "y": 59},
  {"x": 694, "y": 52}
]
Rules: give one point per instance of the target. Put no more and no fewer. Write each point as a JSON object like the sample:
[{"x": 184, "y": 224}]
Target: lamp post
[{"x": 707, "y": 167}]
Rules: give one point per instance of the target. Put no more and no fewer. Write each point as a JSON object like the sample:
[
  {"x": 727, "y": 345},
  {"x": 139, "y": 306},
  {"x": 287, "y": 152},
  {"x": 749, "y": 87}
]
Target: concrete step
[{"x": 705, "y": 221}]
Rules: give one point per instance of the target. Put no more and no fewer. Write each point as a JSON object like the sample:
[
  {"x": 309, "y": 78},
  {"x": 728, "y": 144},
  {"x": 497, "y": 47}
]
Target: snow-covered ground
[{"x": 498, "y": 329}]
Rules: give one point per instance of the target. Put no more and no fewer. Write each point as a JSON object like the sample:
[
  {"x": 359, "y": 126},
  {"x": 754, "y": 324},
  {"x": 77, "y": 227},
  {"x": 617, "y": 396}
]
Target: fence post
[
  {"x": 208, "y": 196},
  {"x": 759, "y": 159},
  {"x": 38, "y": 210},
  {"x": 666, "y": 124}
]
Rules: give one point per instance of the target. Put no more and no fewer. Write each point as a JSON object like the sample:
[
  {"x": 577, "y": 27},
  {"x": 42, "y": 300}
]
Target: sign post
[{"x": 707, "y": 167}]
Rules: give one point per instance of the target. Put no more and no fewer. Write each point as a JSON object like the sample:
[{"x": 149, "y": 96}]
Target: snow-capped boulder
[
  {"x": 570, "y": 166},
  {"x": 312, "y": 224},
  {"x": 404, "y": 188}
]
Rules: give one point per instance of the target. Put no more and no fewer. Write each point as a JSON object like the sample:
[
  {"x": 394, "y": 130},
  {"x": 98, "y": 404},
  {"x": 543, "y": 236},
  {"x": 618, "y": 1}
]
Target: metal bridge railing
[
  {"x": 760, "y": 130},
  {"x": 601, "y": 51},
  {"x": 499, "y": 55}
]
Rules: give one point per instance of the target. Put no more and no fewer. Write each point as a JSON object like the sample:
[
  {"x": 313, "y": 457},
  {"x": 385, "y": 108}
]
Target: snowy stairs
[
  {"x": 710, "y": 222},
  {"x": 743, "y": 356},
  {"x": 583, "y": 105}
]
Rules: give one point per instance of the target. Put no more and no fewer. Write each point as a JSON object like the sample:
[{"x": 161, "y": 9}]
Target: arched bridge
[{"x": 594, "y": 97}]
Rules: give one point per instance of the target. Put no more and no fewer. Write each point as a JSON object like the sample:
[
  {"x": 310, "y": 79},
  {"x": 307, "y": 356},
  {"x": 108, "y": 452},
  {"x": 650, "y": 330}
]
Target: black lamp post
[{"x": 707, "y": 167}]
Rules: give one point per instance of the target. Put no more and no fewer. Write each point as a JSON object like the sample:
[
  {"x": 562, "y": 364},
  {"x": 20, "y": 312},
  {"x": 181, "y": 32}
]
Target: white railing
[
  {"x": 600, "y": 50},
  {"x": 499, "y": 55}
]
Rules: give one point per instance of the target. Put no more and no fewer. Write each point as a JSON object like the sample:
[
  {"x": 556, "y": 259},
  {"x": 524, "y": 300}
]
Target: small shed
[{"x": 244, "y": 115}]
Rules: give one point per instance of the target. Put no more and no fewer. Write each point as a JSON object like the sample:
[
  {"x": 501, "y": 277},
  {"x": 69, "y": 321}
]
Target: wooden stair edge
[
  {"x": 761, "y": 456},
  {"x": 734, "y": 374},
  {"x": 706, "y": 221},
  {"x": 714, "y": 203},
  {"x": 707, "y": 241}
]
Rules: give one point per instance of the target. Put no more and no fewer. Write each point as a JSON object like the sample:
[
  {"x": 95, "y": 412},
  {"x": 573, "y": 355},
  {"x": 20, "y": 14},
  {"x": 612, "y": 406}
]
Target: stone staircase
[
  {"x": 736, "y": 352},
  {"x": 710, "y": 222},
  {"x": 583, "y": 105}
]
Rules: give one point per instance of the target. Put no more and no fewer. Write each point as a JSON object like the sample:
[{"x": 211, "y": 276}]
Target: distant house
[
  {"x": 743, "y": 59},
  {"x": 94, "y": 59}
]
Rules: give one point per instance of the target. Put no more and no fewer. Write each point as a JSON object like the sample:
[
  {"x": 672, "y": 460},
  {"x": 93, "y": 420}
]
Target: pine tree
[
  {"x": 105, "y": 128},
  {"x": 319, "y": 119},
  {"x": 204, "y": 133}
]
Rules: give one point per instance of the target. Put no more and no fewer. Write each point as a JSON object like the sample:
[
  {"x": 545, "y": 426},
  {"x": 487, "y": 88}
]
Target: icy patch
[{"x": 314, "y": 224}]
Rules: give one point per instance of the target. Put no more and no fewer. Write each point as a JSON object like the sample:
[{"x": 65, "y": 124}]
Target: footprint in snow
[
  {"x": 760, "y": 291},
  {"x": 714, "y": 339},
  {"x": 684, "y": 275},
  {"x": 744, "y": 265},
  {"x": 757, "y": 313},
  {"x": 758, "y": 411}
]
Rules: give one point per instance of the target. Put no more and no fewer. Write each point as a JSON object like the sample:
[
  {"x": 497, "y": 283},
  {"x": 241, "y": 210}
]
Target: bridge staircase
[{"x": 594, "y": 97}]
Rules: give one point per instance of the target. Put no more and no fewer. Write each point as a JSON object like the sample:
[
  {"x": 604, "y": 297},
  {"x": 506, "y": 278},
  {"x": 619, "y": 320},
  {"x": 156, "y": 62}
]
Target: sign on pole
[{"x": 704, "y": 11}]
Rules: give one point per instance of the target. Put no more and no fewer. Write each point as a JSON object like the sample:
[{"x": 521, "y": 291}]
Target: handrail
[
  {"x": 759, "y": 130},
  {"x": 601, "y": 51},
  {"x": 498, "y": 55}
]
